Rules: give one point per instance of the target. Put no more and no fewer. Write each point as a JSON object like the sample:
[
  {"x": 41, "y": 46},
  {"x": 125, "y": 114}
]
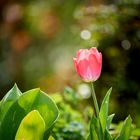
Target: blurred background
[{"x": 39, "y": 38}]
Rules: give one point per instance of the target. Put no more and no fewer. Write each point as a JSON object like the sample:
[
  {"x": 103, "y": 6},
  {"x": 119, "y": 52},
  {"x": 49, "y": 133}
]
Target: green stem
[{"x": 95, "y": 101}]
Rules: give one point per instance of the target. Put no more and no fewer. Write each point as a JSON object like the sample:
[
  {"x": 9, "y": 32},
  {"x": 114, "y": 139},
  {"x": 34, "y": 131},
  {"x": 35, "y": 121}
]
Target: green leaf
[
  {"x": 28, "y": 101},
  {"x": 95, "y": 129},
  {"x": 51, "y": 138},
  {"x": 8, "y": 100},
  {"x": 109, "y": 120},
  {"x": 136, "y": 132},
  {"x": 126, "y": 130},
  {"x": 104, "y": 110},
  {"x": 108, "y": 135},
  {"x": 89, "y": 137},
  {"x": 32, "y": 127}
]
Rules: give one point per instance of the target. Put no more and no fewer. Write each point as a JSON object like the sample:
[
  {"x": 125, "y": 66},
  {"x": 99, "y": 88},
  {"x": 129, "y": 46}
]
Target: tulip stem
[{"x": 95, "y": 101}]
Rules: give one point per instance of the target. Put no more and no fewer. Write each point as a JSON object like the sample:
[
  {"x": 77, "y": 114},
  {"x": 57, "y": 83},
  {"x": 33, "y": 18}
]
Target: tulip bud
[{"x": 88, "y": 64}]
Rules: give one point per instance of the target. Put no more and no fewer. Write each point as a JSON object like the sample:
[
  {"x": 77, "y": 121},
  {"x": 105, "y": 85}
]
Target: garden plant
[
  {"x": 88, "y": 65},
  {"x": 32, "y": 115}
]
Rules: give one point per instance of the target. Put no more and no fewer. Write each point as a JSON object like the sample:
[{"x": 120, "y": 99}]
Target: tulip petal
[
  {"x": 98, "y": 55},
  {"x": 75, "y": 64},
  {"x": 94, "y": 66},
  {"x": 83, "y": 69},
  {"x": 82, "y": 54},
  {"x": 79, "y": 52}
]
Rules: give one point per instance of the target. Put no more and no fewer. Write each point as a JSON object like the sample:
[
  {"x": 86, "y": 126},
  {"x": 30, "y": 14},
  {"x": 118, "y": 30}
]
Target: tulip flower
[{"x": 88, "y": 64}]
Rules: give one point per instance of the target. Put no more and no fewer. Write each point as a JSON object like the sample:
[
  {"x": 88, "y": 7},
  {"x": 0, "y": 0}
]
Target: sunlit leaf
[
  {"x": 28, "y": 101},
  {"x": 109, "y": 120},
  {"x": 32, "y": 127},
  {"x": 104, "y": 110},
  {"x": 8, "y": 100},
  {"x": 51, "y": 138}
]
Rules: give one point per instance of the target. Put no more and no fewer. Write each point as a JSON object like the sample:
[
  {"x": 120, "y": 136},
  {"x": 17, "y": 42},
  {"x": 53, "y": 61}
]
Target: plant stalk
[{"x": 96, "y": 107}]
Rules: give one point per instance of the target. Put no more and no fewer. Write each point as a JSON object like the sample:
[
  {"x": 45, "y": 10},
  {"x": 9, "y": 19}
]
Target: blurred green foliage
[{"x": 72, "y": 122}]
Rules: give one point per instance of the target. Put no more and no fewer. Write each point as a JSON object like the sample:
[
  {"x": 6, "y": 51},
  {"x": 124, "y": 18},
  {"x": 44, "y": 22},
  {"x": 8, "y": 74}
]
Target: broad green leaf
[
  {"x": 126, "y": 130},
  {"x": 28, "y": 101},
  {"x": 8, "y": 100},
  {"x": 95, "y": 129},
  {"x": 32, "y": 127},
  {"x": 104, "y": 110},
  {"x": 109, "y": 120}
]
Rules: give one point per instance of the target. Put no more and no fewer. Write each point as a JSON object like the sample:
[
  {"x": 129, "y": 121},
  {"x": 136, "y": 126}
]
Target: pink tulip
[{"x": 88, "y": 64}]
